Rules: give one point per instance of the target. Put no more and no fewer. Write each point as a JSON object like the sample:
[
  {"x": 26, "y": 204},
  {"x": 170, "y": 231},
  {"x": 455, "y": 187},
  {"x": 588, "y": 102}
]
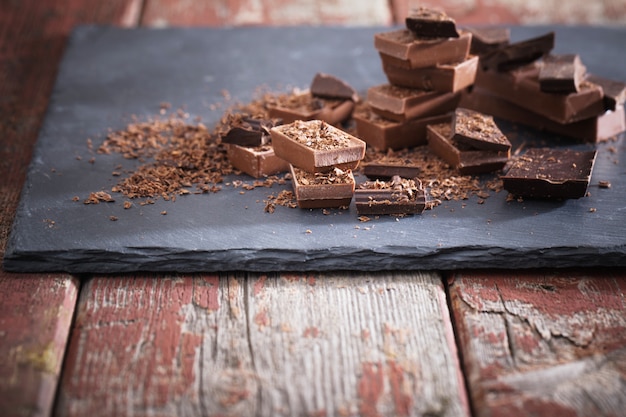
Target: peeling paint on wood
[
  {"x": 161, "y": 13},
  {"x": 552, "y": 342},
  {"x": 295, "y": 347}
]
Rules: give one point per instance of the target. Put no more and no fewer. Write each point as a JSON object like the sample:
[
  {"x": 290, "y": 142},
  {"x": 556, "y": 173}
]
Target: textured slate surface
[{"x": 110, "y": 73}]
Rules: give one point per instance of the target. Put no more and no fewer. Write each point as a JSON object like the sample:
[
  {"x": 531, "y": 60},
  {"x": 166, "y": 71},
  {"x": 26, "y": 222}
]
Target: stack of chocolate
[
  {"x": 321, "y": 159},
  {"x": 427, "y": 65},
  {"x": 524, "y": 83},
  {"x": 329, "y": 99},
  {"x": 248, "y": 145}
]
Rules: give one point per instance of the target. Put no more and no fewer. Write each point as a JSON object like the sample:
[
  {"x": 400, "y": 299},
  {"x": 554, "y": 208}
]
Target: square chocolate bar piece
[
  {"x": 331, "y": 189},
  {"x": 561, "y": 74},
  {"x": 550, "y": 173},
  {"x": 316, "y": 146}
]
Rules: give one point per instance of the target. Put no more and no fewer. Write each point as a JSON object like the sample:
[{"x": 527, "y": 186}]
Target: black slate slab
[{"x": 109, "y": 74}]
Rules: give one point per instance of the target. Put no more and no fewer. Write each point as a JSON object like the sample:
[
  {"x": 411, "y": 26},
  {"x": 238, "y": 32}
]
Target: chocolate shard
[
  {"x": 518, "y": 54},
  {"x": 249, "y": 131},
  {"x": 329, "y": 86},
  {"x": 487, "y": 39},
  {"x": 398, "y": 196},
  {"x": 614, "y": 91},
  {"x": 430, "y": 23},
  {"x": 561, "y": 74},
  {"x": 550, "y": 173},
  {"x": 478, "y": 131}
]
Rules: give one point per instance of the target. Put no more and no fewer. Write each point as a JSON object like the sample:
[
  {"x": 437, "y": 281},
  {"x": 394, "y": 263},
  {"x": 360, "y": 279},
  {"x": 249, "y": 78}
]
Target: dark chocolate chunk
[
  {"x": 389, "y": 169},
  {"x": 561, "y": 74},
  {"x": 249, "y": 131},
  {"x": 478, "y": 131},
  {"x": 518, "y": 54},
  {"x": 488, "y": 38},
  {"x": 429, "y": 23},
  {"x": 329, "y": 86},
  {"x": 550, "y": 173},
  {"x": 398, "y": 196},
  {"x": 614, "y": 91}
]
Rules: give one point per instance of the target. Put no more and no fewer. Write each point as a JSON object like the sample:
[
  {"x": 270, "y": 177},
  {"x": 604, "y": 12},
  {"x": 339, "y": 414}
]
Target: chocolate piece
[
  {"x": 329, "y": 86},
  {"x": 593, "y": 129},
  {"x": 429, "y": 23},
  {"x": 550, "y": 173},
  {"x": 521, "y": 87},
  {"x": 316, "y": 146},
  {"x": 249, "y": 131},
  {"x": 561, "y": 74},
  {"x": 384, "y": 134},
  {"x": 306, "y": 107},
  {"x": 401, "y": 104},
  {"x": 466, "y": 160},
  {"x": 322, "y": 190},
  {"x": 518, "y": 54},
  {"x": 257, "y": 162},
  {"x": 479, "y": 131},
  {"x": 398, "y": 196},
  {"x": 443, "y": 77},
  {"x": 488, "y": 38},
  {"x": 387, "y": 169},
  {"x": 407, "y": 51},
  {"x": 614, "y": 91}
]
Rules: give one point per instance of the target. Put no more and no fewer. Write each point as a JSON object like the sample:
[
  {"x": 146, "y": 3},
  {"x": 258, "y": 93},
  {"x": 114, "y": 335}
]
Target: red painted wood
[
  {"x": 550, "y": 343},
  {"x": 468, "y": 12},
  {"x": 267, "y": 12},
  {"x": 35, "y": 310}
]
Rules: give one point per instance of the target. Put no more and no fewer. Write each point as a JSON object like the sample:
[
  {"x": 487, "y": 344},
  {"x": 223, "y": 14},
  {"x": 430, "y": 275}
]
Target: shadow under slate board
[{"x": 109, "y": 74}]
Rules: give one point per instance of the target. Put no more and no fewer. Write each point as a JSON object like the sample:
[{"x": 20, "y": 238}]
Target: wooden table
[{"x": 485, "y": 343}]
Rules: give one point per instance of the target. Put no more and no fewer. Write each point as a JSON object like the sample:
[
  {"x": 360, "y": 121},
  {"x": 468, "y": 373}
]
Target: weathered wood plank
[
  {"x": 35, "y": 310},
  {"x": 35, "y": 316},
  {"x": 521, "y": 12},
  {"x": 337, "y": 344},
  {"x": 550, "y": 343},
  {"x": 268, "y": 12}
]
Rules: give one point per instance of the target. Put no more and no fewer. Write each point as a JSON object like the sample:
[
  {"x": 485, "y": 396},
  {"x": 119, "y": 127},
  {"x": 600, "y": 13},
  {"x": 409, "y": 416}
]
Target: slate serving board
[{"x": 109, "y": 74}]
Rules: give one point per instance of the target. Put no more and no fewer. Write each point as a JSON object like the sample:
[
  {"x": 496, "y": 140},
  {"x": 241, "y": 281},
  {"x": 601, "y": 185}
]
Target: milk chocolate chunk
[
  {"x": 316, "y": 146},
  {"x": 405, "y": 50},
  {"x": 478, "y": 130},
  {"x": 550, "y": 173},
  {"x": 561, "y": 74},
  {"x": 304, "y": 106},
  {"x": 487, "y": 39},
  {"x": 518, "y": 54},
  {"x": 331, "y": 189},
  {"x": 329, "y": 86},
  {"x": 521, "y": 86},
  {"x": 384, "y": 134},
  {"x": 466, "y": 160},
  {"x": 614, "y": 91},
  {"x": 388, "y": 169},
  {"x": 593, "y": 129},
  {"x": 398, "y": 196},
  {"x": 258, "y": 162},
  {"x": 430, "y": 23},
  {"x": 451, "y": 77},
  {"x": 401, "y": 104}
]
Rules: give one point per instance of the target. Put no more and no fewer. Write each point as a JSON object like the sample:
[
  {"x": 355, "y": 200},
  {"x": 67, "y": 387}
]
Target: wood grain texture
[
  {"x": 35, "y": 316},
  {"x": 281, "y": 345},
  {"x": 161, "y": 13},
  {"x": 521, "y": 12},
  {"x": 547, "y": 343},
  {"x": 35, "y": 310}
]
